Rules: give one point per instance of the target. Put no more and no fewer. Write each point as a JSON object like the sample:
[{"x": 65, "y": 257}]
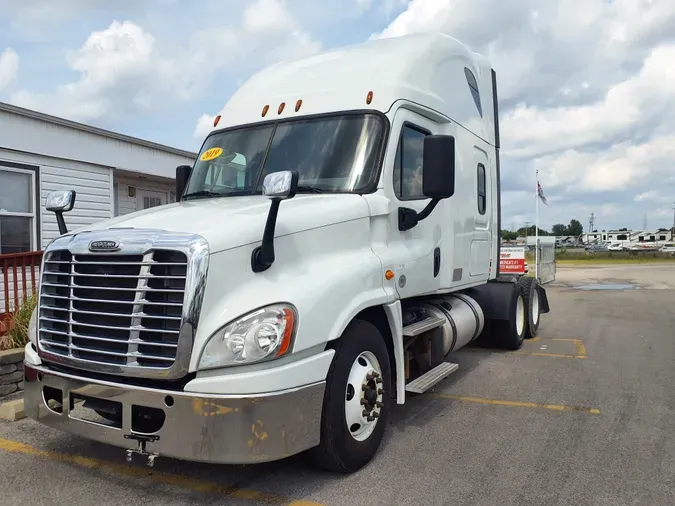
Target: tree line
[{"x": 575, "y": 228}]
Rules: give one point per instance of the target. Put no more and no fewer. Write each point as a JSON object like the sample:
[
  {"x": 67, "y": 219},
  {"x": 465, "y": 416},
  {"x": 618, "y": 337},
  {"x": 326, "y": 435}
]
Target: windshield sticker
[{"x": 210, "y": 154}]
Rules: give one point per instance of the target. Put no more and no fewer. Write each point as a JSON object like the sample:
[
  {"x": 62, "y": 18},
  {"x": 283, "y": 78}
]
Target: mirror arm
[
  {"x": 409, "y": 218},
  {"x": 61, "y": 222},
  {"x": 262, "y": 257}
]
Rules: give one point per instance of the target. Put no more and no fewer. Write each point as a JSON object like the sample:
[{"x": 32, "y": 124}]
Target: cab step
[
  {"x": 422, "y": 326},
  {"x": 431, "y": 378}
]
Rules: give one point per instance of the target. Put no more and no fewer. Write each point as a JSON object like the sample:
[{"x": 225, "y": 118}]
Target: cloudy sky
[{"x": 587, "y": 87}]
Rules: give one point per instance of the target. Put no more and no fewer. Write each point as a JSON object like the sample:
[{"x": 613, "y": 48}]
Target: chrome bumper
[{"x": 217, "y": 429}]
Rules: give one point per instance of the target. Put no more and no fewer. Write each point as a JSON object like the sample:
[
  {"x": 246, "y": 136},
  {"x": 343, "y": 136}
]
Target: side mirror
[
  {"x": 278, "y": 186},
  {"x": 438, "y": 177},
  {"x": 182, "y": 175},
  {"x": 281, "y": 185},
  {"x": 60, "y": 202}
]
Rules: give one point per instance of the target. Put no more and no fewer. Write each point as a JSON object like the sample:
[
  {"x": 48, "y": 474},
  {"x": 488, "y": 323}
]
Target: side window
[
  {"x": 482, "y": 197},
  {"x": 473, "y": 86},
  {"x": 408, "y": 164}
]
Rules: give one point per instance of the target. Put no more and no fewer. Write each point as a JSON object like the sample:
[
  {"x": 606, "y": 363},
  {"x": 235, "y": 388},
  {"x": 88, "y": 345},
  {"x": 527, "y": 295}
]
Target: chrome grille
[{"x": 120, "y": 310}]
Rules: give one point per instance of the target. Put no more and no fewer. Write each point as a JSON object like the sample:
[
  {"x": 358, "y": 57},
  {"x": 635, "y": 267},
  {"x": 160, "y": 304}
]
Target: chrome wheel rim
[
  {"x": 364, "y": 396},
  {"x": 520, "y": 315}
]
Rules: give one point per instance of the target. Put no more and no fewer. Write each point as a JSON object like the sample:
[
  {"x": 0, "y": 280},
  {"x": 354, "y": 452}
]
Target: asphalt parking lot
[{"x": 584, "y": 414}]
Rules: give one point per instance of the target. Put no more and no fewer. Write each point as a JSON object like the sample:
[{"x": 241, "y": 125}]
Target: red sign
[{"x": 512, "y": 260}]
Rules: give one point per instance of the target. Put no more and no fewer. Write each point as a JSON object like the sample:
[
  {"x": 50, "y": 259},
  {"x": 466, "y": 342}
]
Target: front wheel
[{"x": 356, "y": 401}]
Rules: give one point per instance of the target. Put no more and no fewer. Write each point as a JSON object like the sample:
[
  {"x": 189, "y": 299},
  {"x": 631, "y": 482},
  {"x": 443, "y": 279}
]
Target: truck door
[
  {"x": 415, "y": 251},
  {"x": 481, "y": 244}
]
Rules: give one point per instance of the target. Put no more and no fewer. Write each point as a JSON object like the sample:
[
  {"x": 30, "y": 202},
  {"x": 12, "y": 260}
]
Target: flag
[{"x": 540, "y": 193}]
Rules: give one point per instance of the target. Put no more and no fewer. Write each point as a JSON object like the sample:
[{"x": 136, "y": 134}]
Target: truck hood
[{"x": 230, "y": 222}]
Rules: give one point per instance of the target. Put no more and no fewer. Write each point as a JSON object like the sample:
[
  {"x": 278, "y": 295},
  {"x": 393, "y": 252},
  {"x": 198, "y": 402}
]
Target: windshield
[{"x": 331, "y": 154}]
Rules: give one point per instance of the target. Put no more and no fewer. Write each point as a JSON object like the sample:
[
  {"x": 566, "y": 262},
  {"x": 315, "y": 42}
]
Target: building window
[
  {"x": 17, "y": 210},
  {"x": 473, "y": 86},
  {"x": 482, "y": 195},
  {"x": 149, "y": 202},
  {"x": 408, "y": 162}
]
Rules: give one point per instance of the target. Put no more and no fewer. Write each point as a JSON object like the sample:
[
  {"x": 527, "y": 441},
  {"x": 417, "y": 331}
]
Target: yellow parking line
[
  {"x": 579, "y": 348},
  {"x": 156, "y": 476},
  {"x": 518, "y": 404},
  {"x": 554, "y": 355},
  {"x": 526, "y": 353}
]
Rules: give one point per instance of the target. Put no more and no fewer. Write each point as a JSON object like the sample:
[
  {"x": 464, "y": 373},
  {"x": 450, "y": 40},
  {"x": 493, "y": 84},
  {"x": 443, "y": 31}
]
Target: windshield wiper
[
  {"x": 202, "y": 193},
  {"x": 309, "y": 189}
]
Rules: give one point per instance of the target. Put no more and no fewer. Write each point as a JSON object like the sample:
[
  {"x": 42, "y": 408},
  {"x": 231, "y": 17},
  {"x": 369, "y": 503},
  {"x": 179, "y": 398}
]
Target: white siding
[
  {"x": 31, "y": 135},
  {"x": 126, "y": 204},
  {"x": 93, "y": 201},
  {"x": 92, "y": 183}
]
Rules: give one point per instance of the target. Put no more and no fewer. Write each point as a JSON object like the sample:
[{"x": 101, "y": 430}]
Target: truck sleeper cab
[{"x": 336, "y": 239}]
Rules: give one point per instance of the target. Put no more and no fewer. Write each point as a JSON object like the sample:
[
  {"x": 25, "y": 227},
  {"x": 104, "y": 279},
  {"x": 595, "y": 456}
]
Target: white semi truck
[{"x": 336, "y": 239}]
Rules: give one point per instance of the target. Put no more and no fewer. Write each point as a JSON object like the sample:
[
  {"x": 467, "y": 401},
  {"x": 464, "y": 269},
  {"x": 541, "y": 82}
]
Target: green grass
[
  {"x": 615, "y": 261},
  {"x": 580, "y": 257}
]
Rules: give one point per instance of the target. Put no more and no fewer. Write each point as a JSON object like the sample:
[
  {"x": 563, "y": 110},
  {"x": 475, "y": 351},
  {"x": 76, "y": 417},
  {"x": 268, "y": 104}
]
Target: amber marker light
[
  {"x": 216, "y": 120},
  {"x": 369, "y": 97},
  {"x": 389, "y": 275},
  {"x": 298, "y": 105},
  {"x": 281, "y": 107},
  {"x": 265, "y": 109},
  {"x": 289, "y": 316}
]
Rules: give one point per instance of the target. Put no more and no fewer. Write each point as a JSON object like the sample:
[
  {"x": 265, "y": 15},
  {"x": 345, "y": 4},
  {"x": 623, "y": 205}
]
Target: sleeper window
[{"x": 473, "y": 86}]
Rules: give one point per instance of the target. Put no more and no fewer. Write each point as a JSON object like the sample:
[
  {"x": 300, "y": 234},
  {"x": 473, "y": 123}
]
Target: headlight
[
  {"x": 32, "y": 327},
  {"x": 261, "y": 335}
]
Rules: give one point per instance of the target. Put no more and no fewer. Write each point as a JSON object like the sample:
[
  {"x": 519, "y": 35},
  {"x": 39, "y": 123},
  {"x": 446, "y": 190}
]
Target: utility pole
[
  {"x": 673, "y": 231},
  {"x": 527, "y": 228}
]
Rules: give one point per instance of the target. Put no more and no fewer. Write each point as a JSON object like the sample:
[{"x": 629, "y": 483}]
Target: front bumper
[{"x": 218, "y": 429}]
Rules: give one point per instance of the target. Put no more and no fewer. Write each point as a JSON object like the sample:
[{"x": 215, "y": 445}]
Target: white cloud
[
  {"x": 586, "y": 96},
  {"x": 125, "y": 71},
  {"x": 9, "y": 66},
  {"x": 529, "y": 130},
  {"x": 266, "y": 16},
  {"x": 649, "y": 195},
  {"x": 585, "y": 86},
  {"x": 119, "y": 72},
  {"x": 204, "y": 126}
]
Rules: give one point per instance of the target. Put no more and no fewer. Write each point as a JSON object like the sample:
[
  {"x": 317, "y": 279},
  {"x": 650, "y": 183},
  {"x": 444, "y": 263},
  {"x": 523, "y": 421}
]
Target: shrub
[{"x": 17, "y": 337}]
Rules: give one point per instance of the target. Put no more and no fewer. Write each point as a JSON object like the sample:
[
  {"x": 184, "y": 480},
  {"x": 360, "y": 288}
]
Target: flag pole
[{"x": 536, "y": 226}]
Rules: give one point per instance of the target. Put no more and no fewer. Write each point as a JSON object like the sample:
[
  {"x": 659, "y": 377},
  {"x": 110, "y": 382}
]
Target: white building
[{"x": 113, "y": 174}]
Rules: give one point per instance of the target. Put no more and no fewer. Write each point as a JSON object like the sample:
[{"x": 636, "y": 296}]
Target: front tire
[{"x": 356, "y": 402}]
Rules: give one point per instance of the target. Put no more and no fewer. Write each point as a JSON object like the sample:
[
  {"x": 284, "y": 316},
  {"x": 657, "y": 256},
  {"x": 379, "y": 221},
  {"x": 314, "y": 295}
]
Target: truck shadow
[{"x": 285, "y": 478}]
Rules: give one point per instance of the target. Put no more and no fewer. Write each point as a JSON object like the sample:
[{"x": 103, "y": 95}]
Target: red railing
[{"x": 20, "y": 274}]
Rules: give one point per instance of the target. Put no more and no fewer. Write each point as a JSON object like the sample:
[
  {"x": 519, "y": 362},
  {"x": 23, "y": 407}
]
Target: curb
[{"x": 12, "y": 411}]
